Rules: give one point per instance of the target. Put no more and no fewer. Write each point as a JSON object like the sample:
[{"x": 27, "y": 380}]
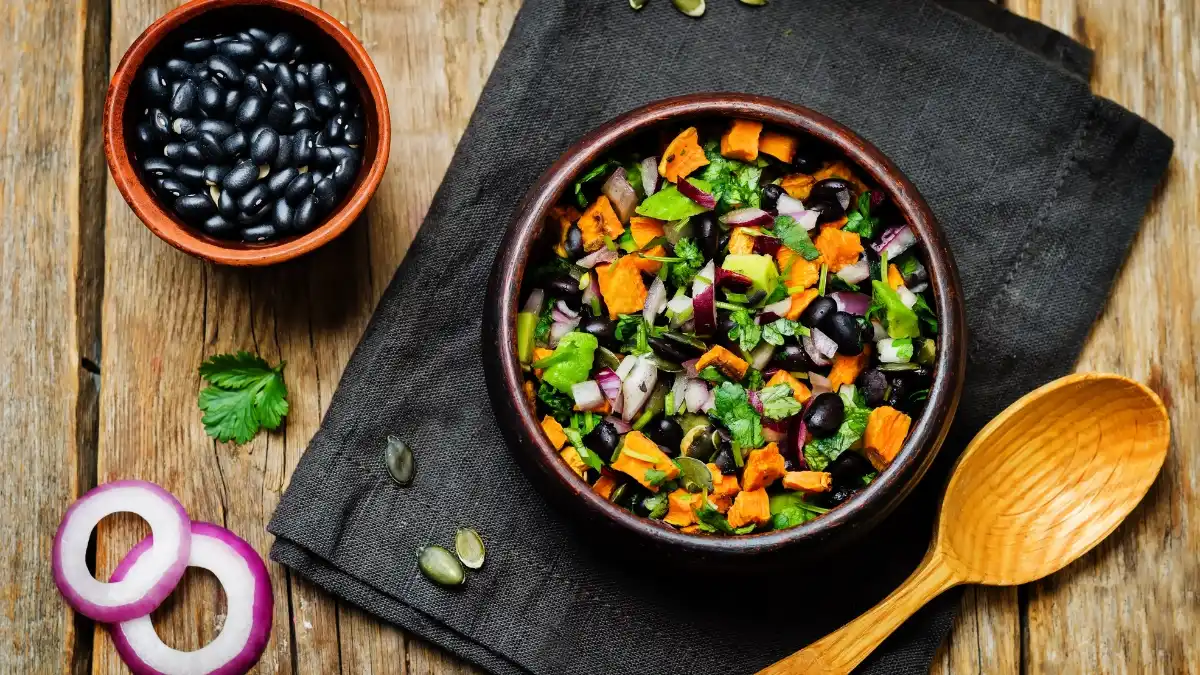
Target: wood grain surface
[{"x": 104, "y": 326}]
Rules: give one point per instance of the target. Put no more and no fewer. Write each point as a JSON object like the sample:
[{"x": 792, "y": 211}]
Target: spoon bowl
[{"x": 1038, "y": 487}]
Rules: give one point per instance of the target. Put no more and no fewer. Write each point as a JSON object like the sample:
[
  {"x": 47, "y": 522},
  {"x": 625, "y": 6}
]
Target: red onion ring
[
  {"x": 247, "y": 587},
  {"x": 119, "y": 600},
  {"x": 747, "y": 217},
  {"x": 702, "y": 198}
]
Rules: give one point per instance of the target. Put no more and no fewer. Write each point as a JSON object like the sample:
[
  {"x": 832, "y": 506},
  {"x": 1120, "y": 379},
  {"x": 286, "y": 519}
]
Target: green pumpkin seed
[
  {"x": 754, "y": 3},
  {"x": 693, "y": 8},
  {"x": 637, "y": 4},
  {"x": 469, "y": 547},
  {"x": 441, "y": 566},
  {"x": 663, "y": 364},
  {"x": 694, "y": 475},
  {"x": 618, "y": 494},
  {"x": 607, "y": 359},
  {"x": 399, "y": 460}
]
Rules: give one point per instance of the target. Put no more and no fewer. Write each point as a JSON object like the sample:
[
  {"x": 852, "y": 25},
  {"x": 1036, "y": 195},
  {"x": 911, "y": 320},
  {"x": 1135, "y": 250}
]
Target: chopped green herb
[
  {"x": 670, "y": 204},
  {"x": 778, "y": 402},
  {"x": 590, "y": 458},
  {"x": 824, "y": 274},
  {"x": 559, "y": 404},
  {"x": 899, "y": 320},
  {"x": 754, "y": 379},
  {"x": 654, "y": 477},
  {"x": 732, "y": 183},
  {"x": 779, "y": 293},
  {"x": 732, "y": 408},
  {"x": 690, "y": 260},
  {"x": 541, "y": 333},
  {"x": 745, "y": 330},
  {"x": 708, "y": 516},
  {"x": 595, "y": 173},
  {"x": 853, "y": 426},
  {"x": 870, "y": 477},
  {"x": 789, "y": 509},
  {"x": 244, "y": 394},
  {"x": 553, "y": 268},
  {"x": 657, "y": 505},
  {"x": 860, "y": 220},
  {"x": 794, "y": 236},
  {"x": 925, "y": 314},
  {"x": 779, "y": 329},
  {"x": 711, "y": 374}
]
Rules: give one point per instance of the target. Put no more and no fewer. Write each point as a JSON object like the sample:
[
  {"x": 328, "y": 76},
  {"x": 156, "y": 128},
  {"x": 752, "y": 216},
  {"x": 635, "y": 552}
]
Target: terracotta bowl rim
[
  {"x": 539, "y": 458},
  {"x": 185, "y": 238}
]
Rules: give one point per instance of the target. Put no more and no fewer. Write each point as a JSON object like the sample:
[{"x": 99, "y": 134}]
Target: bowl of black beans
[{"x": 247, "y": 132}]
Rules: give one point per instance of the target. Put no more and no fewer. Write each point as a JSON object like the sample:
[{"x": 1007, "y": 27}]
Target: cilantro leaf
[
  {"x": 691, "y": 260},
  {"x": 657, "y": 505},
  {"x": 780, "y": 291},
  {"x": 795, "y": 237},
  {"x": 899, "y": 320},
  {"x": 632, "y": 331},
  {"x": 745, "y": 330},
  {"x": 860, "y": 221},
  {"x": 711, "y": 374},
  {"x": 708, "y": 516},
  {"x": 595, "y": 173},
  {"x": 778, "y": 402},
  {"x": 790, "y": 509},
  {"x": 925, "y": 314},
  {"x": 852, "y": 429},
  {"x": 732, "y": 408},
  {"x": 779, "y": 329},
  {"x": 244, "y": 394},
  {"x": 559, "y": 405},
  {"x": 655, "y": 478},
  {"x": 576, "y": 440},
  {"x": 754, "y": 379},
  {"x": 733, "y": 183},
  {"x": 541, "y": 332},
  {"x": 813, "y": 457}
]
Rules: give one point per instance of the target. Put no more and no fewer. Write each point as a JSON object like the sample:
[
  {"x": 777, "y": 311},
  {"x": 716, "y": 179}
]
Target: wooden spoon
[{"x": 1038, "y": 487}]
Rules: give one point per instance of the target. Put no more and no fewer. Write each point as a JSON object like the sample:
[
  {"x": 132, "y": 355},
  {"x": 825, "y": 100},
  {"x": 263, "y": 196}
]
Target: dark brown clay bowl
[
  {"x": 335, "y": 43},
  {"x": 596, "y": 515}
]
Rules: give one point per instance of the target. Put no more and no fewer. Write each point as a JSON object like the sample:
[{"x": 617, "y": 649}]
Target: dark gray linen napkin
[{"x": 1039, "y": 185}]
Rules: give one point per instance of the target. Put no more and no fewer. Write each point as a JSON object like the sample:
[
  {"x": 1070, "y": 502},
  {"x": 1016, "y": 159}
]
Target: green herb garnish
[
  {"x": 595, "y": 173},
  {"x": 899, "y": 320},
  {"x": 778, "y": 402},
  {"x": 732, "y": 408},
  {"x": 745, "y": 330},
  {"x": 691, "y": 259},
  {"x": 779, "y": 329},
  {"x": 852, "y": 429},
  {"x": 657, "y": 505},
  {"x": 654, "y": 477},
  {"x": 732, "y": 183},
  {"x": 559, "y": 404},
  {"x": 244, "y": 394},
  {"x": 860, "y": 221},
  {"x": 794, "y": 236}
]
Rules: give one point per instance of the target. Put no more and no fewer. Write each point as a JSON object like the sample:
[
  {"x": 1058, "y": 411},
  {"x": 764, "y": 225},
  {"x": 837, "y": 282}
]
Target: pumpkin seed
[
  {"x": 693, "y": 8},
  {"x": 618, "y": 494},
  {"x": 469, "y": 547},
  {"x": 754, "y": 3},
  {"x": 607, "y": 358},
  {"x": 637, "y": 4},
  {"x": 440, "y": 566},
  {"x": 399, "y": 460},
  {"x": 694, "y": 475},
  {"x": 663, "y": 364}
]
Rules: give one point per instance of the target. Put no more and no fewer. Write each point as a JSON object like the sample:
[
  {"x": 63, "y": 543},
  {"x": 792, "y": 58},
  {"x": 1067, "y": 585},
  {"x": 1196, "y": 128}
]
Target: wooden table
[{"x": 104, "y": 326}]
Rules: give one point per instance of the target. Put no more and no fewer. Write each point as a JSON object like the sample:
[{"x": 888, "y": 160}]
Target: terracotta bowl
[
  {"x": 331, "y": 38},
  {"x": 567, "y": 492}
]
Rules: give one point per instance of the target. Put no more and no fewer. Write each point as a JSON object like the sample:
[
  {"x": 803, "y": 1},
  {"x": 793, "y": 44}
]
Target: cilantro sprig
[
  {"x": 732, "y": 408},
  {"x": 244, "y": 394},
  {"x": 745, "y": 330},
  {"x": 860, "y": 220},
  {"x": 691, "y": 259},
  {"x": 794, "y": 236}
]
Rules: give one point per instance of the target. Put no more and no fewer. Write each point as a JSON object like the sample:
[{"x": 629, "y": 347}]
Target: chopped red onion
[
  {"x": 733, "y": 281},
  {"x": 702, "y": 198},
  {"x": 602, "y": 255},
  {"x": 696, "y": 395},
  {"x": 704, "y": 277},
  {"x": 766, "y": 317},
  {"x": 610, "y": 385},
  {"x": 819, "y": 383},
  {"x": 705, "y": 314},
  {"x": 774, "y": 431},
  {"x": 626, "y": 366},
  {"x": 563, "y": 313},
  {"x": 533, "y": 305},
  {"x": 590, "y": 293},
  {"x": 907, "y": 297},
  {"x": 755, "y": 401},
  {"x": 761, "y": 355},
  {"x": 824, "y": 343},
  {"x": 851, "y": 303},
  {"x": 587, "y": 395},
  {"x": 619, "y": 424},
  {"x": 809, "y": 220},
  {"x": 637, "y": 388},
  {"x": 711, "y": 402},
  {"x": 621, "y": 194},
  {"x": 859, "y": 271},
  {"x": 878, "y": 332},
  {"x": 559, "y": 329},
  {"x": 650, "y": 175},
  {"x": 765, "y": 245},
  {"x": 798, "y": 433},
  {"x": 689, "y": 367},
  {"x": 779, "y": 308},
  {"x": 789, "y": 206},
  {"x": 747, "y": 217},
  {"x": 656, "y": 301},
  {"x": 814, "y": 354},
  {"x": 895, "y": 240}
]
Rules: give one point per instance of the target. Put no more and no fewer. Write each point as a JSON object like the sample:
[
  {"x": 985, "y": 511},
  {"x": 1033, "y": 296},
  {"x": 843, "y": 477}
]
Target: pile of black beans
[{"x": 248, "y": 135}]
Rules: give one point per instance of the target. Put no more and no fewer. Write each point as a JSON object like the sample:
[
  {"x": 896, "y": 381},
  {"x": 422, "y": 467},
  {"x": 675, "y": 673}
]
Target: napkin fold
[{"x": 1039, "y": 185}]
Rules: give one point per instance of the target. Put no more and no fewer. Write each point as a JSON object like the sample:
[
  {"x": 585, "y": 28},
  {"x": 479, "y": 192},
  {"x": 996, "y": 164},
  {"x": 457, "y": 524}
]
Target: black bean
[
  {"x": 249, "y": 112},
  {"x": 173, "y": 152},
  {"x": 326, "y": 194},
  {"x": 280, "y": 93},
  {"x": 284, "y": 79},
  {"x": 325, "y": 100},
  {"x": 300, "y": 187},
  {"x": 298, "y": 52},
  {"x": 600, "y": 326},
  {"x": 874, "y": 386},
  {"x": 343, "y": 106},
  {"x": 217, "y": 226},
  {"x": 791, "y": 356},
  {"x": 224, "y": 69},
  {"x": 215, "y": 173},
  {"x": 707, "y": 233},
  {"x": 283, "y": 158},
  {"x": 145, "y": 134},
  {"x": 241, "y": 177},
  {"x": 279, "y": 115},
  {"x": 160, "y": 122},
  {"x": 725, "y": 462},
  {"x": 564, "y": 287},
  {"x": 236, "y": 143},
  {"x": 340, "y": 87},
  {"x": 322, "y": 157},
  {"x": 302, "y": 147},
  {"x": 200, "y": 74},
  {"x": 172, "y": 188},
  {"x": 827, "y": 211},
  {"x": 210, "y": 97},
  {"x": 278, "y": 182},
  {"x": 318, "y": 73},
  {"x": 303, "y": 118},
  {"x": 574, "y": 242},
  {"x": 210, "y": 147},
  {"x": 849, "y": 468},
  {"x": 253, "y": 85},
  {"x": 603, "y": 438},
  {"x": 185, "y": 127},
  {"x": 843, "y": 328},
  {"x": 254, "y": 198},
  {"x": 352, "y": 134},
  {"x": 258, "y": 233},
  {"x": 282, "y": 215},
  {"x": 254, "y": 217},
  {"x": 218, "y": 128},
  {"x": 770, "y": 197},
  {"x": 265, "y": 72},
  {"x": 281, "y": 45},
  {"x": 834, "y": 190},
  {"x": 666, "y": 431},
  {"x": 194, "y": 206},
  {"x": 317, "y": 177},
  {"x": 238, "y": 51},
  {"x": 306, "y": 214},
  {"x": 192, "y": 153},
  {"x": 264, "y": 145},
  {"x": 179, "y": 67},
  {"x": 303, "y": 84},
  {"x": 233, "y": 100},
  {"x": 815, "y": 313},
  {"x": 158, "y": 167},
  {"x": 333, "y": 130},
  {"x": 192, "y": 175},
  {"x": 825, "y": 415},
  {"x": 259, "y": 35},
  {"x": 154, "y": 86},
  {"x": 227, "y": 205},
  {"x": 344, "y": 174},
  {"x": 197, "y": 48}
]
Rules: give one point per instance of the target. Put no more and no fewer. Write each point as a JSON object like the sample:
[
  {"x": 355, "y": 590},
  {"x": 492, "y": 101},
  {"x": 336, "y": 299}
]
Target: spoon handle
[{"x": 840, "y": 651}]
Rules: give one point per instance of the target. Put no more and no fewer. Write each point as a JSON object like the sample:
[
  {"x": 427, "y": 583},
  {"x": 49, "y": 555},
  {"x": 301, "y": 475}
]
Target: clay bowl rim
[
  {"x": 183, "y": 237},
  {"x": 521, "y": 427}
]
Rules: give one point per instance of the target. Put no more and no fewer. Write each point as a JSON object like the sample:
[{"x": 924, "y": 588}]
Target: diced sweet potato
[
  {"x": 798, "y": 185},
  {"x": 725, "y": 488},
  {"x": 726, "y": 361},
  {"x": 780, "y": 146},
  {"x": 681, "y": 508},
  {"x": 621, "y": 286},
  {"x": 599, "y": 221},
  {"x": 741, "y": 240},
  {"x": 800, "y": 273},
  {"x": 562, "y": 217},
  {"x": 540, "y": 353},
  {"x": 528, "y": 390},
  {"x": 741, "y": 141},
  {"x": 571, "y": 456},
  {"x": 800, "y": 302},
  {"x": 554, "y": 432},
  {"x": 799, "y": 391},
  {"x": 640, "y": 454},
  {"x": 692, "y": 529},
  {"x": 838, "y": 248},
  {"x": 894, "y": 278},
  {"x": 646, "y": 265},
  {"x": 643, "y": 231},
  {"x": 886, "y": 430},
  {"x": 840, "y": 169},
  {"x": 808, "y": 481},
  {"x": 750, "y": 506},
  {"x": 846, "y": 369},
  {"x": 605, "y": 409},
  {"x": 604, "y": 486},
  {"x": 683, "y": 156},
  {"x": 763, "y": 467}
]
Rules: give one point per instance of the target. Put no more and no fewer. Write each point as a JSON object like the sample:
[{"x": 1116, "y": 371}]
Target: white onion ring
[
  {"x": 164, "y": 564},
  {"x": 249, "y": 610}
]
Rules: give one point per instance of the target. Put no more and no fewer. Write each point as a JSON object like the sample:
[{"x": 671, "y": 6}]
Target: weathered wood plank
[
  {"x": 42, "y": 385},
  {"x": 1129, "y": 606}
]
